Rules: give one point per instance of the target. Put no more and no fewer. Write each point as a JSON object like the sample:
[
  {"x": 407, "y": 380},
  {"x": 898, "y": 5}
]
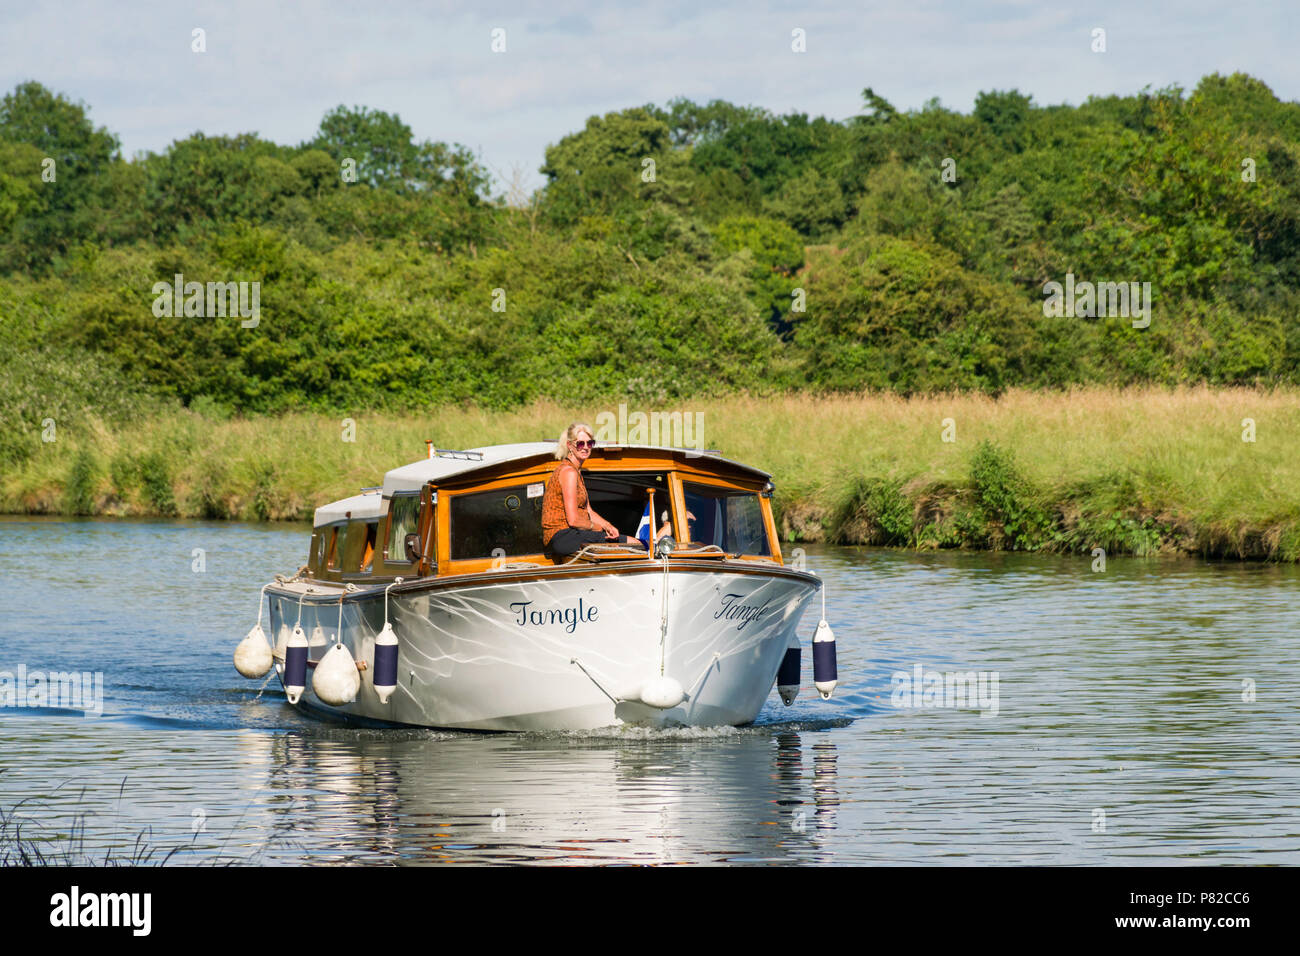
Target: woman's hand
[{"x": 610, "y": 531}]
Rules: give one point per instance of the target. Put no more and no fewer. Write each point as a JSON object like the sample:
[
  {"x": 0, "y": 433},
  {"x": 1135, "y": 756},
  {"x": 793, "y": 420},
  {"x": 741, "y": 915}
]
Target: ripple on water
[{"x": 1144, "y": 715}]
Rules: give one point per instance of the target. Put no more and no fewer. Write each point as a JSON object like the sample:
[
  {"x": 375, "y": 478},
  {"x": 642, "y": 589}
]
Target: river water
[{"x": 1144, "y": 713}]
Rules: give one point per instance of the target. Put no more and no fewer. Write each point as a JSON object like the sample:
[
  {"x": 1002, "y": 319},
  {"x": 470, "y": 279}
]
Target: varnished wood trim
[{"x": 558, "y": 572}]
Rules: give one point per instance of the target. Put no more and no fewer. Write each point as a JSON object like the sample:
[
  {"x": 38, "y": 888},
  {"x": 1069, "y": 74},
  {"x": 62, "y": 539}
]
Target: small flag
[{"x": 643, "y": 529}]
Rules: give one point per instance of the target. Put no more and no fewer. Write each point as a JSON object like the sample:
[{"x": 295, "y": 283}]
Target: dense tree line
[{"x": 675, "y": 250}]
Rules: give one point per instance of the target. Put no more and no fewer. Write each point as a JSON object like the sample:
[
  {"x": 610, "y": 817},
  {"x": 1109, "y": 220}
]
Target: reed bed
[{"x": 1140, "y": 471}]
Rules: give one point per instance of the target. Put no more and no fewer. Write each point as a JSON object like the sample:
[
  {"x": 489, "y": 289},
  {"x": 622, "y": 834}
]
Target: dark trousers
[{"x": 572, "y": 540}]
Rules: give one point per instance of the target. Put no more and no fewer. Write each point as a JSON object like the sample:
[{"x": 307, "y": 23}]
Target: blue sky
[{"x": 275, "y": 68}]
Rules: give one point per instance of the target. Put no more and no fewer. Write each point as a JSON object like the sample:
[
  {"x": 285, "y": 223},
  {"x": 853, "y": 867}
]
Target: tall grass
[
  {"x": 26, "y": 841},
  {"x": 1138, "y": 470},
  {"x": 69, "y": 849}
]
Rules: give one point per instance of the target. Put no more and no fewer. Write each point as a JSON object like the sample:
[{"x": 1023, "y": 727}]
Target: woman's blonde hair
[{"x": 568, "y": 435}]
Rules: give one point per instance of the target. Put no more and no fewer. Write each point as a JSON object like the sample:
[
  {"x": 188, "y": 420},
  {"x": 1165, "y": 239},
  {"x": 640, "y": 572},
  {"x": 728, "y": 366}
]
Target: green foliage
[
  {"x": 264, "y": 483},
  {"x": 879, "y": 109},
  {"x": 212, "y": 409},
  {"x": 378, "y": 143},
  {"x": 28, "y": 225},
  {"x": 156, "y": 483},
  {"x": 1006, "y": 115},
  {"x": 921, "y": 241},
  {"x": 764, "y": 153},
  {"x": 1116, "y": 533},
  {"x": 811, "y": 202},
  {"x": 124, "y": 474},
  {"x": 912, "y": 204},
  {"x": 49, "y": 390},
  {"x": 775, "y": 255},
  {"x": 891, "y": 313},
  {"x": 691, "y": 338},
  {"x": 385, "y": 155},
  {"x": 692, "y": 123},
  {"x": 605, "y": 168},
  {"x": 57, "y": 128},
  {"x": 876, "y": 511},
  {"x": 1007, "y": 500},
  {"x": 54, "y": 165},
  {"x": 317, "y": 171},
  {"x": 774, "y": 244},
  {"x": 205, "y": 499},
  {"x": 79, "y": 488}
]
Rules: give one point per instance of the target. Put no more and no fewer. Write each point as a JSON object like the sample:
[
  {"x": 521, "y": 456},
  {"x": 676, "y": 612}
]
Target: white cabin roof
[
  {"x": 413, "y": 476},
  {"x": 366, "y": 505}
]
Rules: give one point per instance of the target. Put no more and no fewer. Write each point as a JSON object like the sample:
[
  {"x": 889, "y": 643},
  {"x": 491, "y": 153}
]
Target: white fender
[
  {"x": 337, "y": 680},
  {"x": 281, "y": 642},
  {"x": 253, "y": 655},
  {"x": 662, "y": 692}
]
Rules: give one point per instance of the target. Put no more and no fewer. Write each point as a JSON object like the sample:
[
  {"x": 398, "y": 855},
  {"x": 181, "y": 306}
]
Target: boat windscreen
[
  {"x": 620, "y": 496},
  {"x": 730, "y": 518}
]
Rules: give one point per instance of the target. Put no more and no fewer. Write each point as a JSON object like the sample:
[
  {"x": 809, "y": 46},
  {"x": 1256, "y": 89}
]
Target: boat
[{"x": 430, "y": 600}]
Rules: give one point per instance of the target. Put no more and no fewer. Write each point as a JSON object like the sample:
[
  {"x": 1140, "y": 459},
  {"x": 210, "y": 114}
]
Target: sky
[{"x": 275, "y": 68}]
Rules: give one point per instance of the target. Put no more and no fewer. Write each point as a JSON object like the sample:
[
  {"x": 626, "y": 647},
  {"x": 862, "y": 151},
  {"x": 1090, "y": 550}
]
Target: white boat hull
[{"x": 564, "y": 651}]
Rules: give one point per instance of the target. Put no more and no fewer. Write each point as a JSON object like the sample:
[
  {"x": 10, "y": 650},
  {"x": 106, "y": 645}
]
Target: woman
[{"x": 568, "y": 521}]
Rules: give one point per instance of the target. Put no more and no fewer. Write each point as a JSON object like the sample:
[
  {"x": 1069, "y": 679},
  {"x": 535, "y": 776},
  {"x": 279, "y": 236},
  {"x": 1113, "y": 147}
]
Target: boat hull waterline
[{"x": 541, "y": 653}]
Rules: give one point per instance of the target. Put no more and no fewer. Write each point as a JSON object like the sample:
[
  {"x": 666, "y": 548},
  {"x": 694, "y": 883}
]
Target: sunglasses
[{"x": 584, "y": 444}]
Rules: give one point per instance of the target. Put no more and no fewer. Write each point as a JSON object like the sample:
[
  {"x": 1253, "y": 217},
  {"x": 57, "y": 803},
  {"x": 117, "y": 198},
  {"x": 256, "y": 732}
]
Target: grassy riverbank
[{"x": 1138, "y": 471}]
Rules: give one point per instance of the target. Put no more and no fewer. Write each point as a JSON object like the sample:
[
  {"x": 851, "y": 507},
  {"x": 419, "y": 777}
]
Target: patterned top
[{"x": 554, "y": 518}]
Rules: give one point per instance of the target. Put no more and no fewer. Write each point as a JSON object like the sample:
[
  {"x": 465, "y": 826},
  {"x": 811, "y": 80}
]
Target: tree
[
  {"x": 61, "y": 210},
  {"x": 203, "y": 180},
  {"x": 57, "y": 127},
  {"x": 386, "y": 156},
  {"x": 378, "y": 142},
  {"x": 892, "y": 313},
  {"x": 693, "y": 123},
  {"x": 767, "y": 152},
  {"x": 775, "y": 253},
  {"x": 811, "y": 203},
  {"x": 879, "y": 110},
  {"x": 603, "y": 167},
  {"x": 1005, "y": 114}
]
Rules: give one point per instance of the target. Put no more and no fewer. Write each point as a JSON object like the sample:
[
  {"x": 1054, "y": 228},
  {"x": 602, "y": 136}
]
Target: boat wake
[{"x": 635, "y": 732}]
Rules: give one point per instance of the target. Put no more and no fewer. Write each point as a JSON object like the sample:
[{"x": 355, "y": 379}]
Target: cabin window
[
  {"x": 620, "y": 497},
  {"x": 359, "y": 546},
  {"x": 331, "y": 545},
  {"x": 730, "y": 518},
  {"x": 404, "y": 519},
  {"x": 507, "y": 518},
  {"x": 368, "y": 549}
]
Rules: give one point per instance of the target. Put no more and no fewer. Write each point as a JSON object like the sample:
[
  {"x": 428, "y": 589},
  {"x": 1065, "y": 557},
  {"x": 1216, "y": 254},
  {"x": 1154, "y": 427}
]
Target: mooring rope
[{"x": 663, "y": 620}]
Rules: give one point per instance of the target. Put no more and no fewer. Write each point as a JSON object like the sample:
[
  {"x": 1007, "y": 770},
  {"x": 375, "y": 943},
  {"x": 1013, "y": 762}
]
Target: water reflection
[{"x": 465, "y": 798}]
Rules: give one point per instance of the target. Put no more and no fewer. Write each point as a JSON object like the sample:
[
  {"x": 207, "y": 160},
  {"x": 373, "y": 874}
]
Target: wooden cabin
[{"x": 466, "y": 512}]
